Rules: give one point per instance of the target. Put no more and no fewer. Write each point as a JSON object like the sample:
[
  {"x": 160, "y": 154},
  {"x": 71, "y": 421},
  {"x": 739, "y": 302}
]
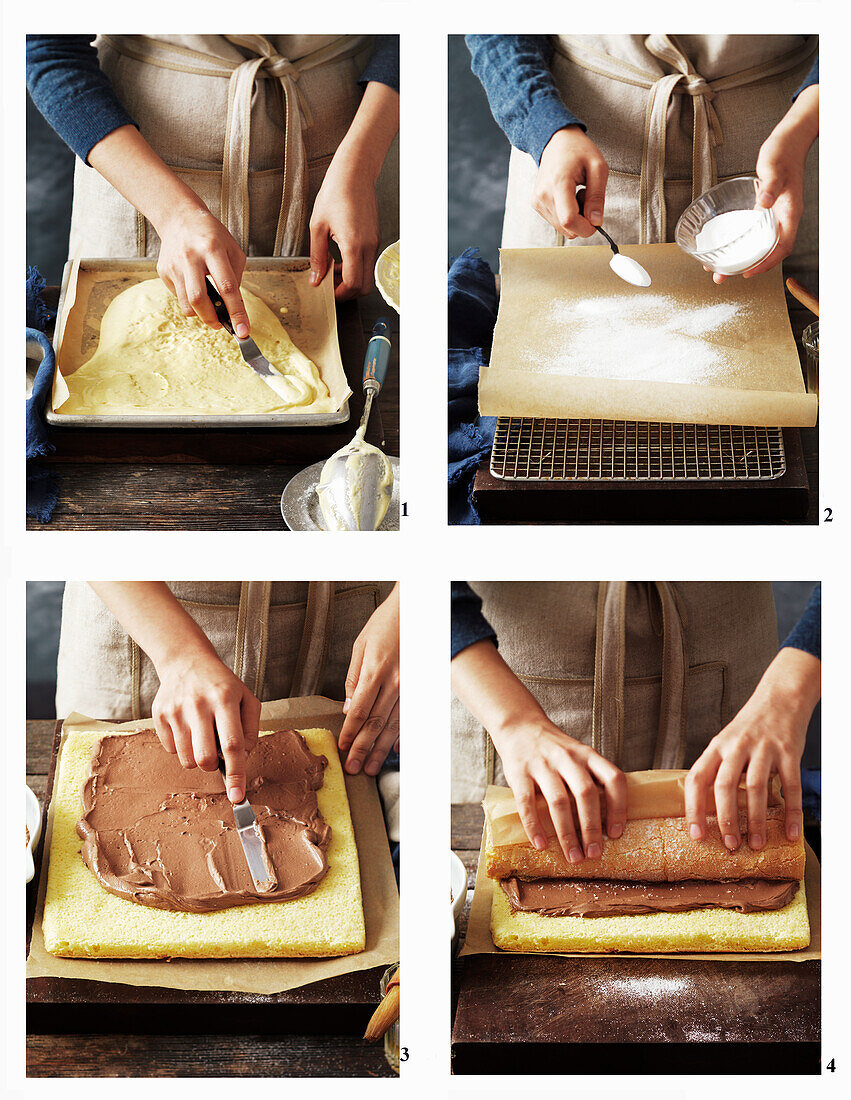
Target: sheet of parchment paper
[
  {"x": 574, "y": 340},
  {"x": 260, "y": 976},
  {"x": 310, "y": 317},
  {"x": 479, "y": 941}
]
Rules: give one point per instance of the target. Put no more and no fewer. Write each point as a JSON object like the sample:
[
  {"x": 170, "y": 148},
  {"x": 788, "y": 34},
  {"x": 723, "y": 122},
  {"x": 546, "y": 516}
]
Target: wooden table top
[
  {"x": 514, "y": 1013},
  {"x": 195, "y": 1040},
  {"x": 116, "y": 479}
]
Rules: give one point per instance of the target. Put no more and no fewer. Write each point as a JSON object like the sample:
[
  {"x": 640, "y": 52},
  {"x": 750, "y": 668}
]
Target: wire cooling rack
[{"x": 532, "y": 449}]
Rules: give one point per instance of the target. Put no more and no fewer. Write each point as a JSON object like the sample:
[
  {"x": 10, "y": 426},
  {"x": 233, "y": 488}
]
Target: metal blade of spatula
[
  {"x": 252, "y": 355},
  {"x": 246, "y": 826}
]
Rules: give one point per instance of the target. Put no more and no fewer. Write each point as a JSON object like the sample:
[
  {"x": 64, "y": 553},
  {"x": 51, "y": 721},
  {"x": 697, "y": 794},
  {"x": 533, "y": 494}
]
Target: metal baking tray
[{"x": 202, "y": 420}]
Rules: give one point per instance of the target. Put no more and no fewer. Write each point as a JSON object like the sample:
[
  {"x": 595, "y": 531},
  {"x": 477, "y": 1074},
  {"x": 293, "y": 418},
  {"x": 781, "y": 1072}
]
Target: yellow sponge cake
[{"x": 83, "y": 920}]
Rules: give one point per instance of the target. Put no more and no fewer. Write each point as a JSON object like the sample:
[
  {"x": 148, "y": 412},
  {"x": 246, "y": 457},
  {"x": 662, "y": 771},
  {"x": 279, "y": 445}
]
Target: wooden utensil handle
[{"x": 803, "y": 295}]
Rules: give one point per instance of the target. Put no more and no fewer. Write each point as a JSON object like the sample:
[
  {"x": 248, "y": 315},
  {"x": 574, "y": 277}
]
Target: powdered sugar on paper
[{"x": 644, "y": 336}]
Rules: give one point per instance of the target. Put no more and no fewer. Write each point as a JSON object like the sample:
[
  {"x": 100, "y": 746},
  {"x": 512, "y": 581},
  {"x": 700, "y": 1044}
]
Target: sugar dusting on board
[{"x": 647, "y": 336}]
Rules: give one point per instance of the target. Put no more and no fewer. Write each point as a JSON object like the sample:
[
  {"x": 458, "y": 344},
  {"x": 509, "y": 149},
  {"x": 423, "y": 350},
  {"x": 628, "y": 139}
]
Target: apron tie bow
[
  {"x": 696, "y": 85},
  {"x": 241, "y": 76}
]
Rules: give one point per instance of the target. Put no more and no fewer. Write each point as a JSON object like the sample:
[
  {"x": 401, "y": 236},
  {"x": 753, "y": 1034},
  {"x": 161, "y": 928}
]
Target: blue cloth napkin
[
  {"x": 42, "y": 488},
  {"x": 811, "y": 784},
  {"x": 472, "y": 316}
]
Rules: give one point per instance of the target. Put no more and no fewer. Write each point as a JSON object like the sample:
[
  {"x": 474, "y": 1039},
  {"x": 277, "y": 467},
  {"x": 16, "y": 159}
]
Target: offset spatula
[
  {"x": 252, "y": 355},
  {"x": 245, "y": 820}
]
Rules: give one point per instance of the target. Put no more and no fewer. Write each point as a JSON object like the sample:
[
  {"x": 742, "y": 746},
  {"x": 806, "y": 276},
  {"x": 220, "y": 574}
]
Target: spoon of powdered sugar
[{"x": 624, "y": 267}]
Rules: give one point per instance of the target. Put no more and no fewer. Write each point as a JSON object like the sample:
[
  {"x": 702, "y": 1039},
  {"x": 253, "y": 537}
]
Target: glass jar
[
  {"x": 810, "y": 342},
  {"x": 391, "y": 1036}
]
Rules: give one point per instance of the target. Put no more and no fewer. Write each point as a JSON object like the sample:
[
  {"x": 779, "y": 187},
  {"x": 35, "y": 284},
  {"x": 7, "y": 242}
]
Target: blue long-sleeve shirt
[
  {"x": 68, "y": 87},
  {"x": 469, "y": 624},
  {"x": 515, "y": 74}
]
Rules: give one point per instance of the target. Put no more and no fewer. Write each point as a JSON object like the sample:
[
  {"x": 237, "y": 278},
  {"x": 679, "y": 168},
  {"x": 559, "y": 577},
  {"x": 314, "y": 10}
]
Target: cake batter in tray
[{"x": 89, "y": 285}]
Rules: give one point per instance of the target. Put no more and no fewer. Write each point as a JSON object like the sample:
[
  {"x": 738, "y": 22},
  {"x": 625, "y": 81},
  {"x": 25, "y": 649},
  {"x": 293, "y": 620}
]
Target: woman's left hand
[
  {"x": 345, "y": 211},
  {"x": 371, "y": 728},
  {"x": 767, "y": 736},
  {"x": 780, "y": 169}
]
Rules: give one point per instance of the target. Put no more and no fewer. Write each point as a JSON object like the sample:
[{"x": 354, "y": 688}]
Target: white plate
[
  {"x": 34, "y": 825},
  {"x": 458, "y": 883},
  {"x": 300, "y": 504}
]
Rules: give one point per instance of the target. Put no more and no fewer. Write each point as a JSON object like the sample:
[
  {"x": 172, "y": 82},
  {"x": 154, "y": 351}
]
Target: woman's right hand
[
  {"x": 539, "y": 757},
  {"x": 199, "y": 702},
  {"x": 193, "y": 244},
  {"x": 570, "y": 160}
]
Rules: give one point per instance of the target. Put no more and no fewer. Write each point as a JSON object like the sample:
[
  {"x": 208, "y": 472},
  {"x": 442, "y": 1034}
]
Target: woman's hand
[
  {"x": 767, "y": 736},
  {"x": 570, "y": 160},
  {"x": 199, "y": 700},
  {"x": 346, "y": 210},
  {"x": 194, "y": 243},
  {"x": 539, "y": 757},
  {"x": 780, "y": 168},
  {"x": 371, "y": 728}
]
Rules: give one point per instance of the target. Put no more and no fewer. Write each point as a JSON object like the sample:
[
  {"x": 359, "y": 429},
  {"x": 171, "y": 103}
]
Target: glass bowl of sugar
[{"x": 725, "y": 229}]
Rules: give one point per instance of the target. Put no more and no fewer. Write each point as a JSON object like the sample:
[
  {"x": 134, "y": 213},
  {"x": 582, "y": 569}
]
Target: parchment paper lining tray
[
  {"x": 479, "y": 942},
  {"x": 260, "y": 976},
  {"x": 573, "y": 342},
  {"x": 89, "y": 285}
]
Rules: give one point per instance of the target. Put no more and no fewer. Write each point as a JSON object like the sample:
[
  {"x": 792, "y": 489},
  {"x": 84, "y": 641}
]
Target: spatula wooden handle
[
  {"x": 387, "y": 1012},
  {"x": 803, "y": 295}
]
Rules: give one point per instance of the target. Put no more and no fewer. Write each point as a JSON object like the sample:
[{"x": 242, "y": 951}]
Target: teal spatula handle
[{"x": 377, "y": 356}]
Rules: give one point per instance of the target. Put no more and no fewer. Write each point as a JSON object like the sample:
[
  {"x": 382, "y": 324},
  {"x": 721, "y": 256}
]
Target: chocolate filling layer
[
  {"x": 164, "y": 836},
  {"x": 605, "y": 898}
]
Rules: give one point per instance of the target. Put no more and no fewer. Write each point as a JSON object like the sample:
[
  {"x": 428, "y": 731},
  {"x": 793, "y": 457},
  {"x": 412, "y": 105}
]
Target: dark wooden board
[
  {"x": 785, "y": 499},
  {"x": 211, "y": 479},
  {"x": 516, "y": 1013},
  {"x": 216, "y": 1055},
  {"x": 340, "y": 1005}
]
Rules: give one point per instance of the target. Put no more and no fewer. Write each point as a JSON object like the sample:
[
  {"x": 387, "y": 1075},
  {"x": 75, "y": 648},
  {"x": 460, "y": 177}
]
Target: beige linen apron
[
  {"x": 645, "y": 672},
  {"x": 249, "y": 122},
  {"x": 281, "y": 638},
  {"x": 672, "y": 115}
]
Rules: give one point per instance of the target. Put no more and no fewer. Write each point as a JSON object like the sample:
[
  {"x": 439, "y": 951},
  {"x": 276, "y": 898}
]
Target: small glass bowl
[{"x": 739, "y": 193}]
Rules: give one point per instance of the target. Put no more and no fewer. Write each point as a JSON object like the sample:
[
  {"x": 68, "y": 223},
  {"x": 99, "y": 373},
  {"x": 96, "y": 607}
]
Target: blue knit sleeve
[
  {"x": 806, "y": 633},
  {"x": 514, "y": 72},
  {"x": 468, "y": 623},
  {"x": 383, "y": 64},
  {"x": 65, "y": 81},
  {"x": 811, "y": 78}
]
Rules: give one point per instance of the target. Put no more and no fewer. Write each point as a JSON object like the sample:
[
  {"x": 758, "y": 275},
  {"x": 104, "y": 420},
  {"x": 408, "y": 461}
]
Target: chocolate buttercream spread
[
  {"x": 164, "y": 836},
  {"x": 552, "y": 897}
]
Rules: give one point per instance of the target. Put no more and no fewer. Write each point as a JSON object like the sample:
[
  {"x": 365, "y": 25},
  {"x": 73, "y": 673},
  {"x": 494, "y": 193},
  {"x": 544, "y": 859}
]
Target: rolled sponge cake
[
  {"x": 651, "y": 849},
  {"x": 660, "y": 850},
  {"x": 82, "y": 920},
  {"x": 699, "y": 930}
]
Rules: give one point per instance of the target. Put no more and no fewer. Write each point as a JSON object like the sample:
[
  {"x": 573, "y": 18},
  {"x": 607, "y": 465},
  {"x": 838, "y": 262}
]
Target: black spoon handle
[{"x": 580, "y": 198}]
